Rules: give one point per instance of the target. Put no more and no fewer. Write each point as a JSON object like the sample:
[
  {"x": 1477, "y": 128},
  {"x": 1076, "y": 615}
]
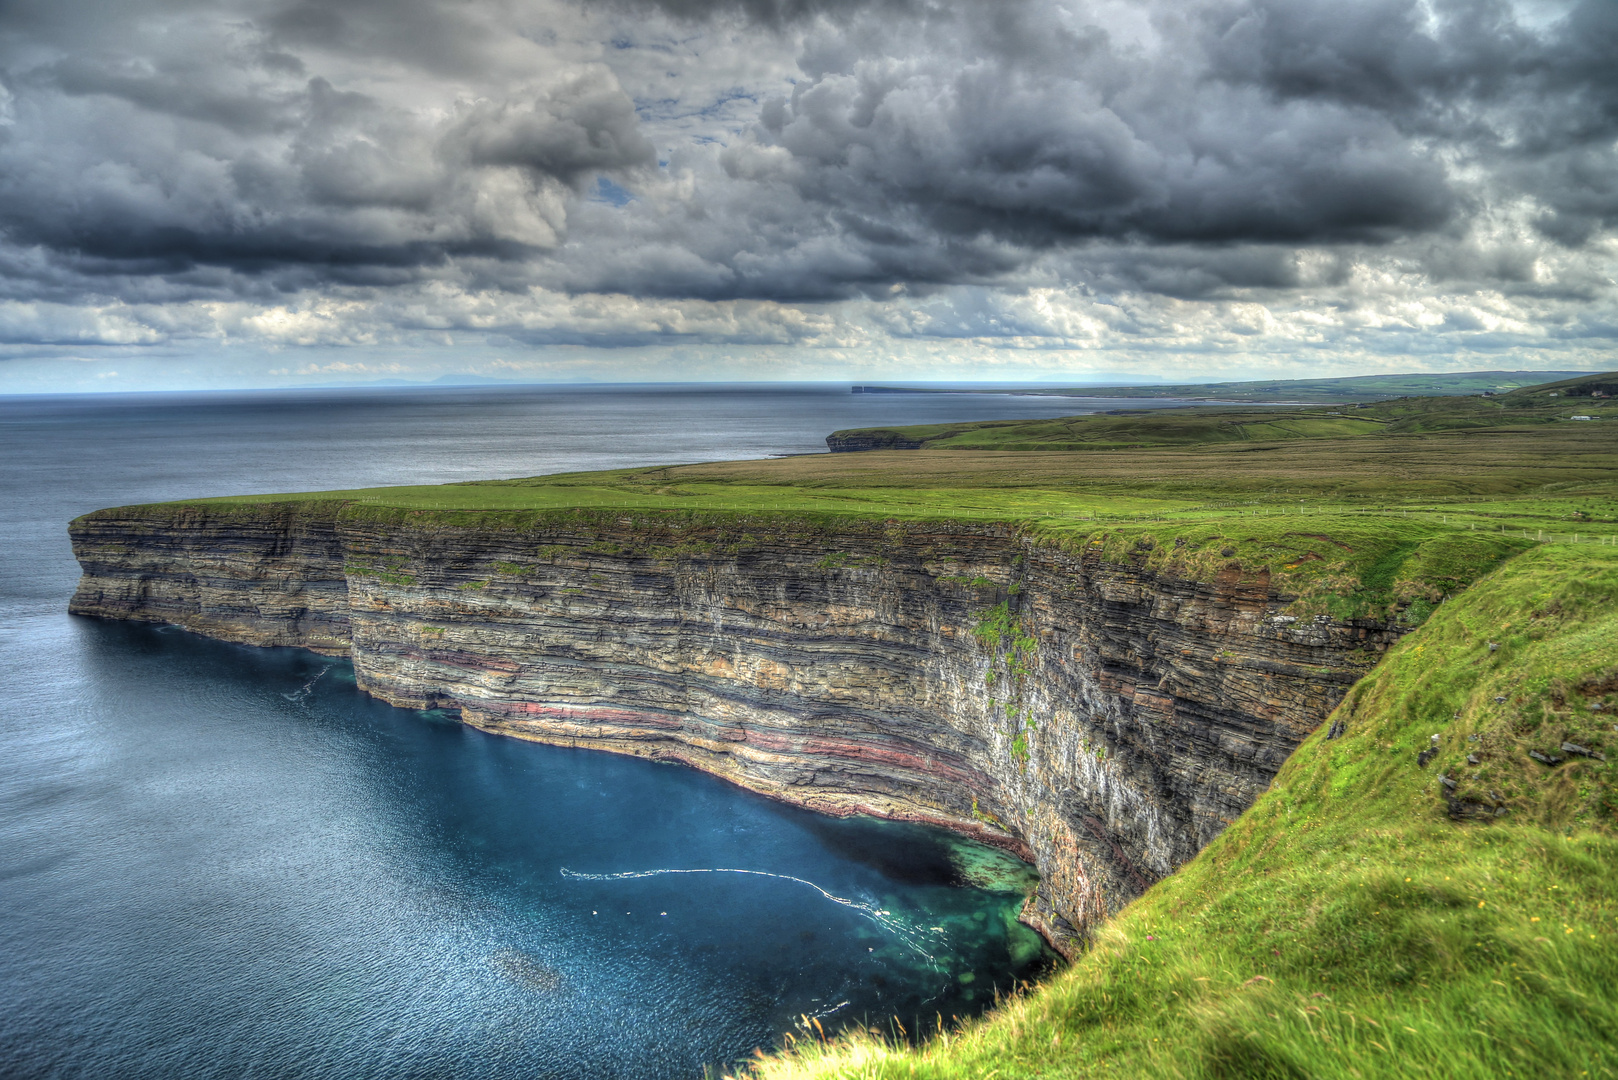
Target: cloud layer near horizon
[{"x": 1289, "y": 181}]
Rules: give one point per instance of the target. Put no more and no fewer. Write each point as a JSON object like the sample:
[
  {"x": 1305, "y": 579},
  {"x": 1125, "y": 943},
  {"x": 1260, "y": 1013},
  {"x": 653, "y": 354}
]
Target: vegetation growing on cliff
[
  {"x": 1340, "y": 564},
  {"x": 1363, "y": 919},
  {"x": 1011, "y": 655}
]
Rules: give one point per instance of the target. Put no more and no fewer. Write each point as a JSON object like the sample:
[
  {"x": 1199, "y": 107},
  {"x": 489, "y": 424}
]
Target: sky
[{"x": 232, "y": 193}]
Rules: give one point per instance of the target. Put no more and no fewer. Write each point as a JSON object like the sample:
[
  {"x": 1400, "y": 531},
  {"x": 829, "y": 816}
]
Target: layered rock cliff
[{"x": 1102, "y": 720}]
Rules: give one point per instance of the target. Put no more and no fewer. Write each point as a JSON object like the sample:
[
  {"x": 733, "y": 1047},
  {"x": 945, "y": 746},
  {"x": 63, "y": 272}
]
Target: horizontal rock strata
[
  {"x": 843, "y": 442},
  {"x": 1103, "y": 721}
]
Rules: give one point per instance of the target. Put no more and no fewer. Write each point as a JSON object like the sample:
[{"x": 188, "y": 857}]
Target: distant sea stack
[{"x": 1101, "y": 720}]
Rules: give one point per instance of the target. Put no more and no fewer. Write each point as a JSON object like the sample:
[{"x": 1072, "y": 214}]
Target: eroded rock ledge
[{"x": 1106, "y": 722}]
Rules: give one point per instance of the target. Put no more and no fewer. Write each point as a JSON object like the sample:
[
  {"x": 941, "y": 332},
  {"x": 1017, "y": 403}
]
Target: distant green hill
[
  {"x": 1598, "y": 386},
  {"x": 1218, "y": 424},
  {"x": 1356, "y": 388}
]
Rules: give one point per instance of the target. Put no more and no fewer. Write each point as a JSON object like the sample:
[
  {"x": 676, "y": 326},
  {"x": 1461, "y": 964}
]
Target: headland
[{"x": 1095, "y": 642}]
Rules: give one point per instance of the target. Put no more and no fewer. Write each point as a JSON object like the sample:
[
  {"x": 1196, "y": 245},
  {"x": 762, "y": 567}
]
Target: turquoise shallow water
[{"x": 225, "y": 861}]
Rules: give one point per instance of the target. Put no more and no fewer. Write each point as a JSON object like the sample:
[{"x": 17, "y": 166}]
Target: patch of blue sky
[
  {"x": 606, "y": 191},
  {"x": 735, "y": 108}
]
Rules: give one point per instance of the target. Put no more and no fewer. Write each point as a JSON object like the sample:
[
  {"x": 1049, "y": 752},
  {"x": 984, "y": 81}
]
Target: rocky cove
[{"x": 1101, "y": 718}]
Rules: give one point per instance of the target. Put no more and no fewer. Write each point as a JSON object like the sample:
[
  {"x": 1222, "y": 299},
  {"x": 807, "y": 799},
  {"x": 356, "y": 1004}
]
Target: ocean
[{"x": 220, "y": 861}]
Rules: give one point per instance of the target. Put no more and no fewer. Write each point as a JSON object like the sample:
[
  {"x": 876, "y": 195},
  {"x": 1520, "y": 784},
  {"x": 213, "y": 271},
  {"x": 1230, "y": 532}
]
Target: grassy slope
[
  {"x": 1573, "y": 392},
  {"x": 1345, "y": 926}
]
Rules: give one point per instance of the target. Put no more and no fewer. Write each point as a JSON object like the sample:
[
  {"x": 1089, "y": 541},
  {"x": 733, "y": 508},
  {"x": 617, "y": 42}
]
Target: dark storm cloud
[
  {"x": 586, "y": 128},
  {"x": 1316, "y": 130},
  {"x": 246, "y": 148},
  {"x": 1538, "y": 110},
  {"x": 154, "y": 139},
  {"x": 961, "y": 142}
]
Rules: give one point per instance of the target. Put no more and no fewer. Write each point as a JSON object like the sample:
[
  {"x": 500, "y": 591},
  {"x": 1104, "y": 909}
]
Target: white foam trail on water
[
  {"x": 916, "y": 937},
  {"x": 300, "y": 694},
  {"x": 823, "y": 1013}
]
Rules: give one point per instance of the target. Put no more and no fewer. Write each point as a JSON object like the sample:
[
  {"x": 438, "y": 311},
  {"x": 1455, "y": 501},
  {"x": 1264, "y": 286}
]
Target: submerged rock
[{"x": 527, "y": 970}]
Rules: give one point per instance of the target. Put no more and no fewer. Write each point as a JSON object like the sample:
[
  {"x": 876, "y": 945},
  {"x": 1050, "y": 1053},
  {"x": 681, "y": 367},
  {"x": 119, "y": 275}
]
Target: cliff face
[
  {"x": 265, "y": 575},
  {"x": 1103, "y": 721},
  {"x": 841, "y": 442}
]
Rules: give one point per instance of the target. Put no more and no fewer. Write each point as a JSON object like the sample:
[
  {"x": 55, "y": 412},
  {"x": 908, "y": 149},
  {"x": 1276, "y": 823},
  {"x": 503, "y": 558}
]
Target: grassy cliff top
[
  {"x": 1349, "y": 925},
  {"x": 1351, "y": 526}
]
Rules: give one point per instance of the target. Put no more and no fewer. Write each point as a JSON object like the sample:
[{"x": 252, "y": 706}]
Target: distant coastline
[{"x": 1275, "y": 392}]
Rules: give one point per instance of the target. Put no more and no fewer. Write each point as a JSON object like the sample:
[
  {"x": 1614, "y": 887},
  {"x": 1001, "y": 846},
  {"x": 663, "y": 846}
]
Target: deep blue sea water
[{"x": 218, "y": 861}]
